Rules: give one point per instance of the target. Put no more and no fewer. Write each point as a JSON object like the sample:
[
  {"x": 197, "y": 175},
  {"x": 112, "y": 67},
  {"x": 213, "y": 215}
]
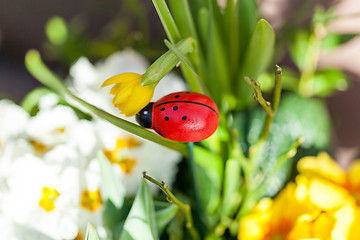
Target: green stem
[
  {"x": 172, "y": 199},
  {"x": 41, "y": 72},
  {"x": 276, "y": 99}
]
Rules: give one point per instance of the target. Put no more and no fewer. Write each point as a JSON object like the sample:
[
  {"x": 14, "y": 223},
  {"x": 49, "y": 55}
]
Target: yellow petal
[
  {"x": 123, "y": 77},
  {"x": 322, "y": 166},
  {"x": 140, "y": 97},
  {"x": 326, "y": 195},
  {"x": 354, "y": 175}
]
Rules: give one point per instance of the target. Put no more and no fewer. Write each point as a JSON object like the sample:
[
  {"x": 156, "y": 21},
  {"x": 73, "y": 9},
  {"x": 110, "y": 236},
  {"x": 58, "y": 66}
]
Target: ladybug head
[{"x": 144, "y": 117}]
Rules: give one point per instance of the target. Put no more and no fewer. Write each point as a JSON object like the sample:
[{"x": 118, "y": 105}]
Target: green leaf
[
  {"x": 182, "y": 14},
  {"x": 209, "y": 171},
  {"x": 91, "y": 233},
  {"x": 296, "y": 117},
  {"x": 164, "y": 216},
  {"x": 217, "y": 68},
  {"x": 259, "y": 51},
  {"x": 141, "y": 222},
  {"x": 194, "y": 85},
  {"x": 334, "y": 40},
  {"x": 257, "y": 58},
  {"x": 166, "y": 62},
  {"x": 111, "y": 188},
  {"x": 39, "y": 70},
  {"x": 299, "y": 48},
  {"x": 247, "y": 17},
  {"x": 31, "y": 100},
  {"x": 56, "y": 30},
  {"x": 167, "y": 20},
  {"x": 329, "y": 80},
  {"x": 231, "y": 196}
]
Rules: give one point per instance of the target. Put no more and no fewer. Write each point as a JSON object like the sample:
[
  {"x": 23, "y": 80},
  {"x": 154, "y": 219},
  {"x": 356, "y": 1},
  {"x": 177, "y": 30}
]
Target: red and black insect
[{"x": 181, "y": 116}]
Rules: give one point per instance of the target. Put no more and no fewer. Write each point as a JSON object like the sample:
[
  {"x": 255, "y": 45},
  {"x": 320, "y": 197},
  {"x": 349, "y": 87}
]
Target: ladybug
[{"x": 181, "y": 116}]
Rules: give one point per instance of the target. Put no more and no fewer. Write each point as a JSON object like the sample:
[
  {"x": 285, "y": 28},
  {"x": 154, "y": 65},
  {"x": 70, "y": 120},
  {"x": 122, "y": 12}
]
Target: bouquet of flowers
[{"x": 156, "y": 157}]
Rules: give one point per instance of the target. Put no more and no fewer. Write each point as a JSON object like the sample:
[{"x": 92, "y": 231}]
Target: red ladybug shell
[{"x": 185, "y": 116}]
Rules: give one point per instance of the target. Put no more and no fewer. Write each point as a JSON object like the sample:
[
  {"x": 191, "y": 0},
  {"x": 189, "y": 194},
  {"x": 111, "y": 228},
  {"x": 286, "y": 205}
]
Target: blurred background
[{"x": 99, "y": 28}]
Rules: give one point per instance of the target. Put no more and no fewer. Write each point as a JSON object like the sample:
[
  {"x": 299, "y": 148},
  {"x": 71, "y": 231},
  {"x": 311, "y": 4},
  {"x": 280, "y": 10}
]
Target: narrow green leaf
[
  {"x": 232, "y": 181},
  {"x": 167, "y": 21},
  {"x": 166, "y": 62},
  {"x": 196, "y": 86},
  {"x": 164, "y": 216},
  {"x": 39, "y": 70},
  {"x": 203, "y": 25},
  {"x": 257, "y": 58},
  {"x": 141, "y": 222},
  {"x": 209, "y": 170},
  {"x": 111, "y": 188},
  {"x": 247, "y": 17},
  {"x": 260, "y": 50},
  {"x": 183, "y": 17},
  {"x": 218, "y": 81},
  {"x": 91, "y": 233}
]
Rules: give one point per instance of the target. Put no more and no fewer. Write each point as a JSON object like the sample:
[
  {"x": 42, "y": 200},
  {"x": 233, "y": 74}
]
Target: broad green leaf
[
  {"x": 164, "y": 216},
  {"x": 91, "y": 233},
  {"x": 111, "y": 187},
  {"x": 329, "y": 80},
  {"x": 296, "y": 117},
  {"x": 167, "y": 20},
  {"x": 257, "y": 58},
  {"x": 40, "y": 71},
  {"x": 209, "y": 171},
  {"x": 141, "y": 222}
]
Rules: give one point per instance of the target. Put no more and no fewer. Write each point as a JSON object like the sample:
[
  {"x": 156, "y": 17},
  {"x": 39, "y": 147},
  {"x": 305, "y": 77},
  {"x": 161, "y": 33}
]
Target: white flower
[
  {"x": 13, "y": 121},
  {"x": 52, "y": 200}
]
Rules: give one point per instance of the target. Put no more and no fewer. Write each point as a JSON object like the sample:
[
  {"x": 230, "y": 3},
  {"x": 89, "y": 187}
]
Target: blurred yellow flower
[
  {"x": 311, "y": 208},
  {"x": 324, "y": 167},
  {"x": 129, "y": 95}
]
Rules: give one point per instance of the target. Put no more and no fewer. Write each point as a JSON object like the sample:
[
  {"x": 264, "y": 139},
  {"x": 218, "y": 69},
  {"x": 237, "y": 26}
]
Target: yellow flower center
[
  {"x": 91, "y": 200},
  {"x": 39, "y": 148},
  {"x": 59, "y": 130},
  {"x": 79, "y": 236},
  {"x": 0, "y": 142},
  {"x": 48, "y": 197},
  {"x": 116, "y": 156}
]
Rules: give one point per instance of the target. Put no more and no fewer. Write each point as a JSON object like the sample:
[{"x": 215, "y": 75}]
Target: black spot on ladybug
[
  {"x": 187, "y": 92},
  {"x": 166, "y": 118},
  {"x": 177, "y": 96},
  {"x": 184, "y": 118},
  {"x": 175, "y": 108},
  {"x": 163, "y": 109}
]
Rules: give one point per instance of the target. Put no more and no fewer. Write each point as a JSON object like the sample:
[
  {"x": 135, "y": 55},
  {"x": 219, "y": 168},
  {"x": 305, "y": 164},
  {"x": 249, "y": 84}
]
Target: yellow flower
[
  {"x": 129, "y": 95},
  {"x": 311, "y": 208},
  {"x": 324, "y": 167}
]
